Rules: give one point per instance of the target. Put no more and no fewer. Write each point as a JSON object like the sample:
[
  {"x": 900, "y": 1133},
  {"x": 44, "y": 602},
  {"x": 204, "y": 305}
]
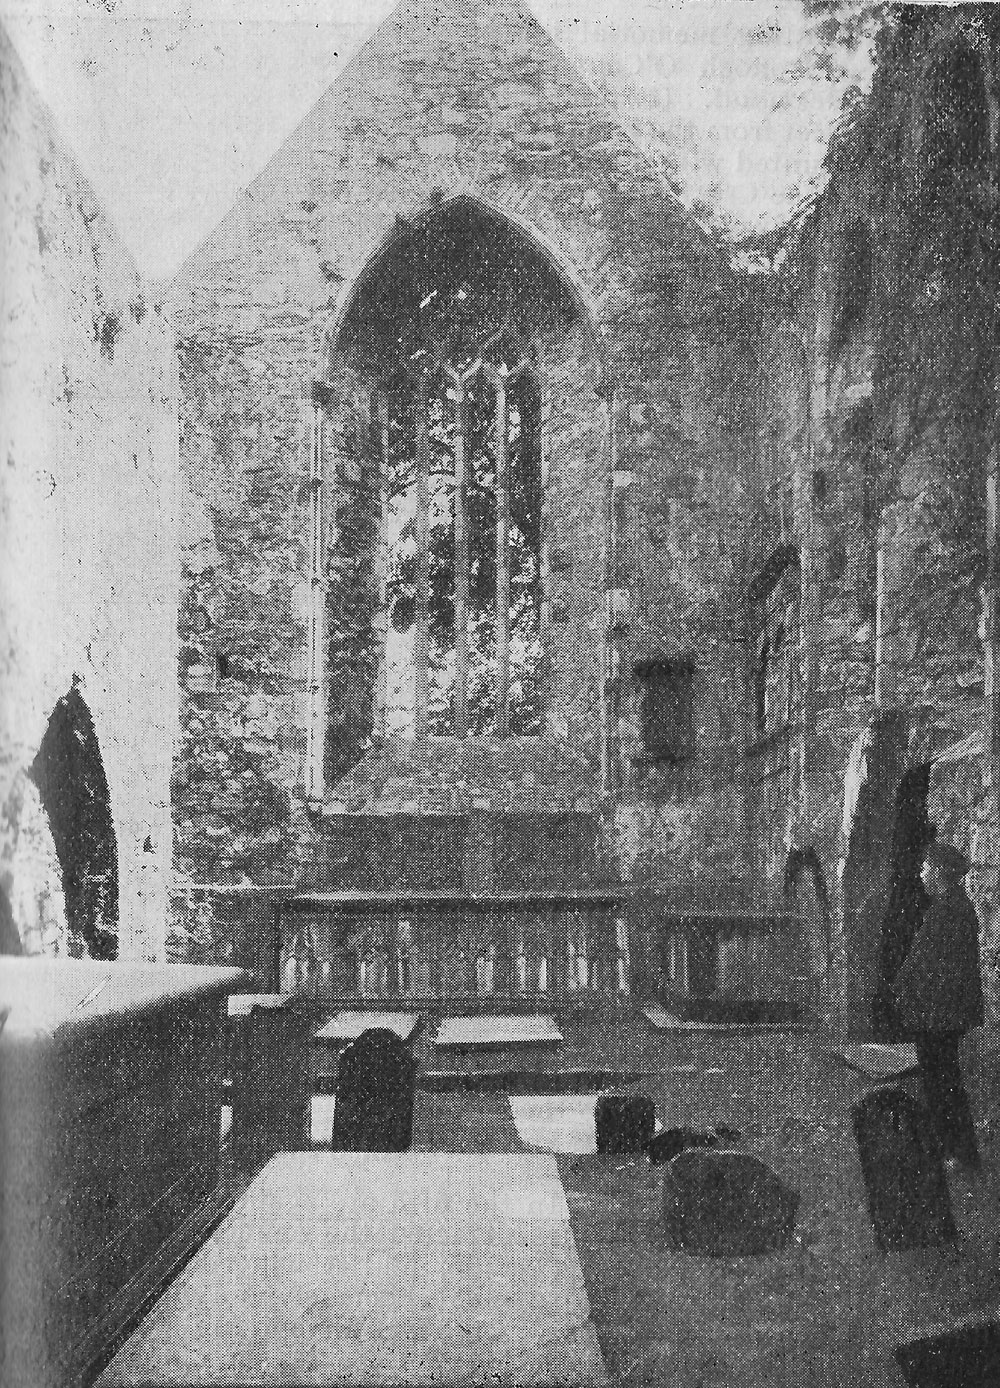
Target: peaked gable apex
[{"x": 445, "y": 98}]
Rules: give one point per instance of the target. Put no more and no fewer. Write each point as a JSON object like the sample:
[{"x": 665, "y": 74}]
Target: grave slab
[
  {"x": 324, "y": 1106},
  {"x": 242, "y": 1004},
  {"x": 878, "y": 1062},
  {"x": 556, "y": 1122},
  {"x": 344, "y": 1027},
  {"x": 661, "y": 1021},
  {"x": 378, "y": 1269},
  {"x": 498, "y": 1032}
]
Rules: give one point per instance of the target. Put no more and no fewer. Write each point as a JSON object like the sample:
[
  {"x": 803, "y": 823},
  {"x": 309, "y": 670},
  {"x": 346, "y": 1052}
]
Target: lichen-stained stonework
[
  {"x": 89, "y": 572},
  {"x": 449, "y": 102},
  {"x": 878, "y": 448}
]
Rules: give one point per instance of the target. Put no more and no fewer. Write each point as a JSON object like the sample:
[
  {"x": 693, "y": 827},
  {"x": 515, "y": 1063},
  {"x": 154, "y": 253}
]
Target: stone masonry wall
[
  {"x": 895, "y": 313},
  {"x": 449, "y": 101},
  {"x": 89, "y": 583}
]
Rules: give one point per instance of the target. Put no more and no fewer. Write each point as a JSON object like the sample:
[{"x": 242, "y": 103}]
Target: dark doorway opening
[{"x": 73, "y": 788}]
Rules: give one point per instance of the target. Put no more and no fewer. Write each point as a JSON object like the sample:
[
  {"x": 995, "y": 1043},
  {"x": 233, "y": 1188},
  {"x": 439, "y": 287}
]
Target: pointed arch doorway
[{"x": 69, "y": 772}]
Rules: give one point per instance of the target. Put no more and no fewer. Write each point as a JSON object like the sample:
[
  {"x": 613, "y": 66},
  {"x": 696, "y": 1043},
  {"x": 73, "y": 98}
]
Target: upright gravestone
[
  {"x": 903, "y": 1172},
  {"x": 623, "y": 1123},
  {"x": 722, "y": 1203},
  {"x": 376, "y": 1078}
]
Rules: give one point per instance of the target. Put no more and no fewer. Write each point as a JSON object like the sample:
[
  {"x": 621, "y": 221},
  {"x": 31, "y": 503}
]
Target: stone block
[
  {"x": 624, "y": 1123},
  {"x": 111, "y": 1077},
  {"x": 723, "y": 1203}
]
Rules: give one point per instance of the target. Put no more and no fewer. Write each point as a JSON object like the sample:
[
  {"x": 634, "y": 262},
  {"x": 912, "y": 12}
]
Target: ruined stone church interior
[{"x": 482, "y": 590}]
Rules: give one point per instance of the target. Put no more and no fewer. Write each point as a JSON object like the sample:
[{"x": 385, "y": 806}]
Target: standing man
[{"x": 939, "y": 997}]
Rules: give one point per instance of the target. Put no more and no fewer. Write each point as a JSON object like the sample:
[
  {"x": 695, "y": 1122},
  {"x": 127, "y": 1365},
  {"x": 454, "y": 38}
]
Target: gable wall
[{"x": 471, "y": 101}]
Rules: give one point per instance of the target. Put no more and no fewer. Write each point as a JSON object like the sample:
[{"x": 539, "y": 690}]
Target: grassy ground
[{"x": 826, "y": 1311}]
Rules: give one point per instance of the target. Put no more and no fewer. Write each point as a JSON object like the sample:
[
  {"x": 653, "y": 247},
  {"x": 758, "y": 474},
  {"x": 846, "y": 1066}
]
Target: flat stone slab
[
  {"x": 880, "y": 1062},
  {"x": 498, "y": 1032},
  {"x": 661, "y": 1020},
  {"x": 345, "y": 1027},
  {"x": 963, "y": 1354},
  {"x": 556, "y": 1122},
  {"x": 242, "y": 1004},
  {"x": 378, "y": 1269},
  {"x": 322, "y": 1110}
]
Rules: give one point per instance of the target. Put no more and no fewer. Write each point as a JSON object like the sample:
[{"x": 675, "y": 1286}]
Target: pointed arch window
[
  {"x": 774, "y": 601},
  {"x": 444, "y": 325}
]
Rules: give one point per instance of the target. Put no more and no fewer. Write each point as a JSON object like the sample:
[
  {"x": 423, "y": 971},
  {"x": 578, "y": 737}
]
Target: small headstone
[
  {"x": 967, "y": 1356},
  {"x": 723, "y": 1203},
  {"x": 376, "y": 1079},
  {"x": 904, "y": 1175},
  {"x": 270, "y": 1076},
  {"x": 623, "y": 1123}
]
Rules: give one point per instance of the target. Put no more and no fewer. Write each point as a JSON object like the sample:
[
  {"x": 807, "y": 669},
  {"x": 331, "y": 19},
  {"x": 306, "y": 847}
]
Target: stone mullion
[
  {"x": 503, "y": 561},
  {"x": 381, "y": 566},
  {"x": 499, "y": 379},
  {"x": 545, "y": 518},
  {"x": 461, "y": 494},
  {"x": 421, "y": 646},
  {"x": 317, "y": 607},
  {"x": 616, "y": 629}
]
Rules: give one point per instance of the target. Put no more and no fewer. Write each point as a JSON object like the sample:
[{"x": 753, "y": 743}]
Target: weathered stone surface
[
  {"x": 423, "y": 1268},
  {"x": 726, "y": 1204},
  {"x": 877, "y": 422},
  {"x": 438, "y": 106},
  {"x": 88, "y": 536}
]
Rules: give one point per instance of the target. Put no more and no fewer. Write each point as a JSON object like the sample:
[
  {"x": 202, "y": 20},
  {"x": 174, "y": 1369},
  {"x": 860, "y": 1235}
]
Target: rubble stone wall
[
  {"x": 896, "y": 280},
  {"x": 454, "y": 103},
  {"x": 88, "y": 566}
]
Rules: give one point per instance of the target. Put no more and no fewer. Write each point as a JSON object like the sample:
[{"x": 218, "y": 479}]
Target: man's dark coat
[{"x": 940, "y": 985}]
